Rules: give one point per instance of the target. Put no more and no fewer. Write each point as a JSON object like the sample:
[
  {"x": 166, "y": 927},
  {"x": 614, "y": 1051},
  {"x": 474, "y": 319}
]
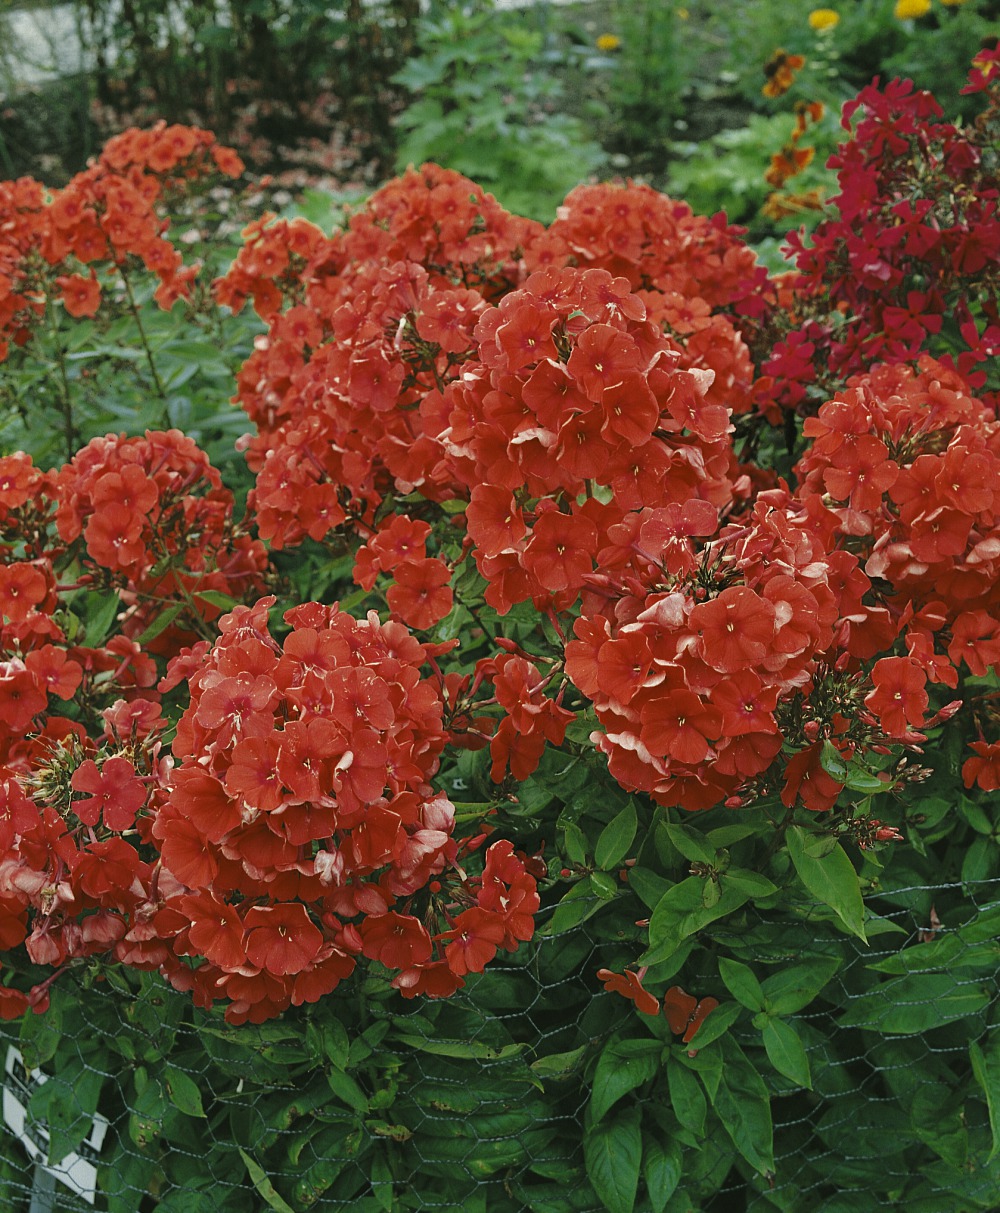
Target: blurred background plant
[
  {"x": 651, "y": 65},
  {"x": 488, "y": 100},
  {"x": 928, "y": 40}
]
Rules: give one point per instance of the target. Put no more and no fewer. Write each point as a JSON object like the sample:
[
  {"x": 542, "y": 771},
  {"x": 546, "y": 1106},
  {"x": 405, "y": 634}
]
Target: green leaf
[
  {"x": 100, "y": 620},
  {"x": 786, "y": 1051},
  {"x": 458, "y": 1048},
  {"x": 986, "y": 1068},
  {"x": 381, "y": 1179},
  {"x": 742, "y": 983},
  {"x": 648, "y": 886},
  {"x": 575, "y": 842},
  {"x": 791, "y": 990},
  {"x": 160, "y": 623},
  {"x": 832, "y": 761},
  {"x": 938, "y": 1120},
  {"x": 831, "y": 879},
  {"x": 578, "y": 904},
  {"x": 612, "y": 1153},
  {"x": 40, "y": 1035},
  {"x": 682, "y": 910},
  {"x": 755, "y": 886},
  {"x": 265, "y": 1188},
  {"x": 743, "y": 1106},
  {"x": 328, "y": 1041},
  {"x": 616, "y": 838},
  {"x": 946, "y": 954},
  {"x": 859, "y": 779},
  {"x": 346, "y": 1089},
  {"x": 560, "y": 1065},
  {"x": 662, "y": 1165},
  {"x": 691, "y": 843},
  {"x": 916, "y": 1003},
  {"x": 716, "y": 1024},
  {"x": 686, "y": 1097},
  {"x": 604, "y": 886},
  {"x": 217, "y": 599},
  {"x": 182, "y": 1091},
  {"x": 622, "y": 1067}
]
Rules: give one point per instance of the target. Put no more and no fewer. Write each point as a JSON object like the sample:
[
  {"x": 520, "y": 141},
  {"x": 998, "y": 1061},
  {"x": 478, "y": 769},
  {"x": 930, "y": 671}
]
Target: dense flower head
[
  {"x": 575, "y": 387},
  {"x": 911, "y": 247},
  {"x": 301, "y": 814},
  {"x": 75, "y": 244},
  {"x": 152, "y": 511}
]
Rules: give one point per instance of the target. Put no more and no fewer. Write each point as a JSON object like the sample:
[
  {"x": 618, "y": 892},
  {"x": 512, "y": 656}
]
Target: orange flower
[
  {"x": 788, "y": 163},
  {"x": 780, "y": 71},
  {"x": 781, "y": 206},
  {"x": 81, "y": 296}
]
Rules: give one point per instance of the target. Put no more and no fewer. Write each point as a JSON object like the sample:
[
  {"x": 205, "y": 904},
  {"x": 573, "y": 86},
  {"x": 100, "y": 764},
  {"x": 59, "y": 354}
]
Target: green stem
[
  {"x": 65, "y": 398},
  {"x": 154, "y": 373}
]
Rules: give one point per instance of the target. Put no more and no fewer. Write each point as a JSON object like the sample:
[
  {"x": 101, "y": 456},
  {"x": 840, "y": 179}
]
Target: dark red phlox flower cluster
[{"x": 912, "y": 255}]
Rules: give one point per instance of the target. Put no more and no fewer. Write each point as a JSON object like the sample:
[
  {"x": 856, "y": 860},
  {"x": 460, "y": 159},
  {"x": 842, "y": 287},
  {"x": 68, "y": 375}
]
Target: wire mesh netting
[{"x": 480, "y": 1102}]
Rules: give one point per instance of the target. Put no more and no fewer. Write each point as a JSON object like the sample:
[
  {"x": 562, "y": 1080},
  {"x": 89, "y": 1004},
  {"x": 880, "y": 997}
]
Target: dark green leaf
[
  {"x": 986, "y": 1068},
  {"x": 691, "y": 843},
  {"x": 346, "y": 1089},
  {"x": 938, "y": 1120},
  {"x": 575, "y": 842},
  {"x": 716, "y": 1024},
  {"x": 792, "y": 989},
  {"x": 217, "y": 599},
  {"x": 742, "y": 983},
  {"x": 647, "y": 885},
  {"x": 681, "y": 911},
  {"x": 786, "y": 1051},
  {"x": 662, "y": 1164},
  {"x": 858, "y": 779},
  {"x": 686, "y": 1097},
  {"x": 612, "y": 1152},
  {"x": 160, "y": 623},
  {"x": 40, "y": 1035},
  {"x": 100, "y": 618},
  {"x": 262, "y": 1183},
  {"x": 946, "y": 955},
  {"x": 458, "y": 1048},
  {"x": 832, "y": 761},
  {"x": 605, "y": 887},
  {"x": 622, "y": 1067},
  {"x": 616, "y": 838},
  {"x": 916, "y": 1003},
  {"x": 577, "y": 905},
  {"x": 743, "y": 1106},
  {"x": 560, "y": 1065},
  {"x": 182, "y": 1091},
  {"x": 831, "y": 879},
  {"x": 752, "y": 884}
]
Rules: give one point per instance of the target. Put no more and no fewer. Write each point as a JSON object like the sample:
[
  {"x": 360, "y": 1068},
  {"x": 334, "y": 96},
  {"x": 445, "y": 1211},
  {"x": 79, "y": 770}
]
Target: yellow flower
[
  {"x": 683, "y": 14},
  {"x": 905, "y": 9},
  {"x": 608, "y": 42},
  {"x": 824, "y": 18}
]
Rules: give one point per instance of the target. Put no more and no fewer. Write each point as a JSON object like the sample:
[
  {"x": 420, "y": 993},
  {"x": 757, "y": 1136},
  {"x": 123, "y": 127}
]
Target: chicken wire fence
[{"x": 480, "y": 1102}]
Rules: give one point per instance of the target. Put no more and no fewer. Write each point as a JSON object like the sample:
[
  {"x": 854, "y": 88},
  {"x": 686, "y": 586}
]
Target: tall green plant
[{"x": 485, "y": 102}]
